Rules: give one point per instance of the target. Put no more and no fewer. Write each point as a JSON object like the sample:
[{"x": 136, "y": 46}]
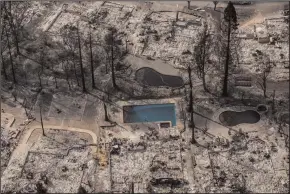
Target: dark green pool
[{"x": 233, "y": 118}]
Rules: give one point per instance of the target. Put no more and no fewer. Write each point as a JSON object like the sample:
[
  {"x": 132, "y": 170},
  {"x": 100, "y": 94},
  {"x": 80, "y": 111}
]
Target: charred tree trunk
[
  {"x": 12, "y": 27},
  {"x": 2, "y": 57},
  {"x": 190, "y": 85},
  {"x": 39, "y": 78},
  {"x": 81, "y": 62},
  {"x": 132, "y": 187},
  {"x": 273, "y": 101},
  {"x": 67, "y": 79},
  {"x": 42, "y": 60},
  {"x": 3, "y": 67},
  {"x": 92, "y": 62},
  {"x": 203, "y": 67},
  {"x": 264, "y": 85},
  {"x": 11, "y": 59},
  {"x": 203, "y": 82},
  {"x": 215, "y": 4},
  {"x": 107, "y": 62},
  {"x": 193, "y": 141},
  {"x": 24, "y": 106},
  {"x": 40, "y": 112},
  {"x": 106, "y": 112},
  {"x": 75, "y": 71},
  {"x": 225, "y": 86},
  {"x": 112, "y": 62},
  {"x": 192, "y": 125}
]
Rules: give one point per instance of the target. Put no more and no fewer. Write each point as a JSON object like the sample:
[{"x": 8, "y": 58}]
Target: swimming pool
[
  {"x": 233, "y": 118},
  {"x": 149, "y": 113}
]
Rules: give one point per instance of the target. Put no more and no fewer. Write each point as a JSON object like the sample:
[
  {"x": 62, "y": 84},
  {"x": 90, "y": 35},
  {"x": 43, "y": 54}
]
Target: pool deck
[{"x": 221, "y": 130}]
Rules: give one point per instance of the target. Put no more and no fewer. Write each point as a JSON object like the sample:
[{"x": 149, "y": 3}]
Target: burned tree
[
  {"x": 41, "y": 121},
  {"x": 106, "y": 112},
  {"x": 190, "y": 106},
  {"x": 266, "y": 66},
  {"x": 92, "y": 61},
  {"x": 231, "y": 25},
  {"x": 69, "y": 39},
  {"x": 17, "y": 14},
  {"x": 110, "y": 42},
  {"x": 3, "y": 45},
  {"x": 187, "y": 62},
  {"x": 113, "y": 49},
  {"x": 215, "y": 4},
  {"x": 7, "y": 6},
  {"x": 201, "y": 54},
  {"x": 11, "y": 58},
  {"x": 81, "y": 60},
  {"x": 81, "y": 190},
  {"x": 39, "y": 73}
]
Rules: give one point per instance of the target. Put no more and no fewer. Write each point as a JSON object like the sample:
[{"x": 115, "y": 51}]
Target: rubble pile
[
  {"x": 155, "y": 163},
  {"x": 55, "y": 161}
]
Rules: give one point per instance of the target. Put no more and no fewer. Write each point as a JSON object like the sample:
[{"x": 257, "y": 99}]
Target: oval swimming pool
[{"x": 233, "y": 118}]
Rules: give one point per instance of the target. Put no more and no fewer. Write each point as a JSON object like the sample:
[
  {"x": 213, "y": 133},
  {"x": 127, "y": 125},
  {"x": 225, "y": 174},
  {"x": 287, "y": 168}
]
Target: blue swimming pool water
[{"x": 149, "y": 113}]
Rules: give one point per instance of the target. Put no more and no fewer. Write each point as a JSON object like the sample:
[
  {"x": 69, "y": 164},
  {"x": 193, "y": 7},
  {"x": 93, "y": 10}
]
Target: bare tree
[
  {"x": 106, "y": 112},
  {"x": 81, "y": 190},
  {"x": 11, "y": 23},
  {"x": 112, "y": 46},
  {"x": 215, "y": 4},
  {"x": 190, "y": 106},
  {"x": 92, "y": 61},
  {"x": 273, "y": 101},
  {"x": 81, "y": 60},
  {"x": 230, "y": 17},
  {"x": 201, "y": 54},
  {"x": 3, "y": 66},
  {"x": 39, "y": 73},
  {"x": 66, "y": 69},
  {"x": 11, "y": 58},
  {"x": 17, "y": 14},
  {"x": 41, "y": 121},
  {"x": 2, "y": 45},
  {"x": 188, "y": 4},
  {"x": 69, "y": 39},
  {"x": 265, "y": 67}
]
